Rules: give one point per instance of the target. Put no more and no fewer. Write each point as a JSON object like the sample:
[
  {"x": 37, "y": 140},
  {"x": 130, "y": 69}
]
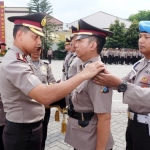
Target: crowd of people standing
[{"x": 120, "y": 56}]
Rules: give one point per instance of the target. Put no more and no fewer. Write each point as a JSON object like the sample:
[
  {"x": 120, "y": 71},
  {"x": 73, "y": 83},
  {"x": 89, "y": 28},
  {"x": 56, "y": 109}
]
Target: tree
[
  {"x": 46, "y": 7},
  {"x": 141, "y": 15},
  {"x": 132, "y": 35},
  {"x": 118, "y": 39},
  {"x": 60, "y": 53}
]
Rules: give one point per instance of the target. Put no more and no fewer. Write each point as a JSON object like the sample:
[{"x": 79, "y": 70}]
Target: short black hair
[
  {"x": 19, "y": 27},
  {"x": 100, "y": 42}
]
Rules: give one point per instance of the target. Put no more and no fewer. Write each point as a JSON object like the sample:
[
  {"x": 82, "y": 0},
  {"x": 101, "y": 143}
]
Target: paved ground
[{"x": 55, "y": 140}]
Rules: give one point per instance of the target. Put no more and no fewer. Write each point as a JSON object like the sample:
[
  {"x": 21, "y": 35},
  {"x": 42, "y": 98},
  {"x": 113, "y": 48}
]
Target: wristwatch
[{"x": 122, "y": 87}]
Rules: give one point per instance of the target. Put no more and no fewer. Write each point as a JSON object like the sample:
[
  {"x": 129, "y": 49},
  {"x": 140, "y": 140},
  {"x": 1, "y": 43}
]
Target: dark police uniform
[
  {"x": 137, "y": 97},
  {"x": 88, "y": 100},
  {"x": 23, "y": 128}
]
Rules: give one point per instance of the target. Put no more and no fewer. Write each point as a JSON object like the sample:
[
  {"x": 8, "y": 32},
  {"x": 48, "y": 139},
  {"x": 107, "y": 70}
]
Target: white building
[{"x": 101, "y": 20}]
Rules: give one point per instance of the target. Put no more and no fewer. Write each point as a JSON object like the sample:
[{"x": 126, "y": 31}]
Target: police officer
[
  {"x": 22, "y": 92},
  {"x": 89, "y": 118},
  {"x": 50, "y": 55},
  {"x": 72, "y": 68},
  {"x": 68, "y": 55},
  {"x": 136, "y": 88},
  {"x": 42, "y": 70}
]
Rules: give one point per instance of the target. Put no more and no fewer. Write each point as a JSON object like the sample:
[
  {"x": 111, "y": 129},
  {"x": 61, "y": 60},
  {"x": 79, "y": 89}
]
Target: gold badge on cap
[{"x": 43, "y": 22}]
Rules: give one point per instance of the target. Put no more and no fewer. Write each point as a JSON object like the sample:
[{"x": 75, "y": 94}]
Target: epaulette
[
  {"x": 21, "y": 57},
  {"x": 45, "y": 62},
  {"x": 136, "y": 64}
]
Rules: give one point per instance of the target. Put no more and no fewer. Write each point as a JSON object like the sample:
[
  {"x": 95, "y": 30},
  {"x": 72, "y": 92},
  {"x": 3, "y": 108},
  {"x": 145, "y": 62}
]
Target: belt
[
  {"x": 145, "y": 119},
  {"x": 140, "y": 118},
  {"x": 80, "y": 116},
  {"x": 25, "y": 125}
]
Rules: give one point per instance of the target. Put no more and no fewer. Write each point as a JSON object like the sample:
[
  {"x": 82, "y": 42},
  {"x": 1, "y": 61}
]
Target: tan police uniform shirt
[
  {"x": 72, "y": 71},
  {"x": 87, "y": 97},
  {"x": 137, "y": 95},
  {"x": 65, "y": 65},
  {"x": 2, "y": 113},
  {"x": 17, "y": 80},
  {"x": 43, "y": 71}
]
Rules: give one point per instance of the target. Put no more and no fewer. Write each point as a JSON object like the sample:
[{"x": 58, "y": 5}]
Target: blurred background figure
[{"x": 50, "y": 55}]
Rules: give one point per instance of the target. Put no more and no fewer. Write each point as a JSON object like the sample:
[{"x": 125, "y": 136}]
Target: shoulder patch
[{"x": 21, "y": 57}]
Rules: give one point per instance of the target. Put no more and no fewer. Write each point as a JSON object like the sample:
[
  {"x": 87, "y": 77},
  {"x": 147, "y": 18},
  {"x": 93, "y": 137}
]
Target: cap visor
[
  {"x": 37, "y": 32},
  {"x": 82, "y": 36}
]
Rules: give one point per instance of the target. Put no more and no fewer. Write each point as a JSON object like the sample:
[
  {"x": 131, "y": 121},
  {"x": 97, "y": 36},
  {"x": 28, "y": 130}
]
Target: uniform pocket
[
  {"x": 78, "y": 96},
  {"x": 43, "y": 70}
]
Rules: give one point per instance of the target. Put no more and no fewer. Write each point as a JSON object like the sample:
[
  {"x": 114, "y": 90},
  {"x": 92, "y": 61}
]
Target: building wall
[
  {"x": 12, "y": 11},
  {"x": 102, "y": 20}
]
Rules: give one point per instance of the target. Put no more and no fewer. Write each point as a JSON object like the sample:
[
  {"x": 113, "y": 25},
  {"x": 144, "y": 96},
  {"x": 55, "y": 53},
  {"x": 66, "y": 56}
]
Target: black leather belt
[
  {"x": 80, "y": 116},
  {"x": 25, "y": 125}
]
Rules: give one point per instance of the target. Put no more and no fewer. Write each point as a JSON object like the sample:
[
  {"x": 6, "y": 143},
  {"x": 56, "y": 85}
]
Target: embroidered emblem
[{"x": 104, "y": 89}]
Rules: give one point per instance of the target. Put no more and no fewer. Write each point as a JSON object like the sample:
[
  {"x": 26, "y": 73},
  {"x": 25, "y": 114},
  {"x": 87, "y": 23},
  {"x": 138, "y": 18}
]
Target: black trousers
[
  {"x": 49, "y": 58},
  {"x": 1, "y": 140},
  {"x": 21, "y": 137},
  {"x": 44, "y": 129},
  {"x": 137, "y": 136}
]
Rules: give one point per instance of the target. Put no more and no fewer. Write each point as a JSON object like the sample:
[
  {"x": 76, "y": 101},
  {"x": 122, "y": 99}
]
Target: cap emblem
[{"x": 43, "y": 22}]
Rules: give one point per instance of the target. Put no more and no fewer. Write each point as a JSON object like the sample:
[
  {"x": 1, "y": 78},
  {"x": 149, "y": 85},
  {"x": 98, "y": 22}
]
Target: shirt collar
[
  {"x": 83, "y": 64},
  {"x": 17, "y": 50}
]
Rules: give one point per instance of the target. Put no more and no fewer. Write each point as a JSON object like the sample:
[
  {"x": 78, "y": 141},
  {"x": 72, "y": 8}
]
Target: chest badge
[{"x": 145, "y": 79}]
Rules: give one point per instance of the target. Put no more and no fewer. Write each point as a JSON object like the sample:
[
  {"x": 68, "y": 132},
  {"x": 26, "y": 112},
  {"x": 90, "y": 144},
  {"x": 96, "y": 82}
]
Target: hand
[
  {"x": 105, "y": 78},
  {"x": 92, "y": 69}
]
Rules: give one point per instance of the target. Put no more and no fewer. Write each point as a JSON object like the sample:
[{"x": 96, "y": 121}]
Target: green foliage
[
  {"x": 61, "y": 45},
  {"x": 60, "y": 53},
  {"x": 132, "y": 35},
  {"x": 118, "y": 39},
  {"x": 141, "y": 15},
  {"x": 46, "y": 7}
]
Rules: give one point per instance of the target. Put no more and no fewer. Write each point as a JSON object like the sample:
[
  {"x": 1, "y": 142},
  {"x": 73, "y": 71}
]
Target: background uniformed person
[
  {"x": 68, "y": 55},
  {"x": 22, "y": 92},
  {"x": 50, "y": 55},
  {"x": 42, "y": 70},
  {"x": 88, "y": 126},
  {"x": 136, "y": 88}
]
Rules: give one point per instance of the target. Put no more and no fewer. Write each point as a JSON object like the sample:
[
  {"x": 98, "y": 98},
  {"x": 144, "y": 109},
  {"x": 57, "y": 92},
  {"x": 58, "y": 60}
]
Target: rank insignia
[
  {"x": 21, "y": 57},
  {"x": 104, "y": 89}
]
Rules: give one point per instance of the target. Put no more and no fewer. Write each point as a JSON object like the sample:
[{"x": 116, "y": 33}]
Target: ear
[
  {"x": 19, "y": 34},
  {"x": 93, "y": 45}
]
